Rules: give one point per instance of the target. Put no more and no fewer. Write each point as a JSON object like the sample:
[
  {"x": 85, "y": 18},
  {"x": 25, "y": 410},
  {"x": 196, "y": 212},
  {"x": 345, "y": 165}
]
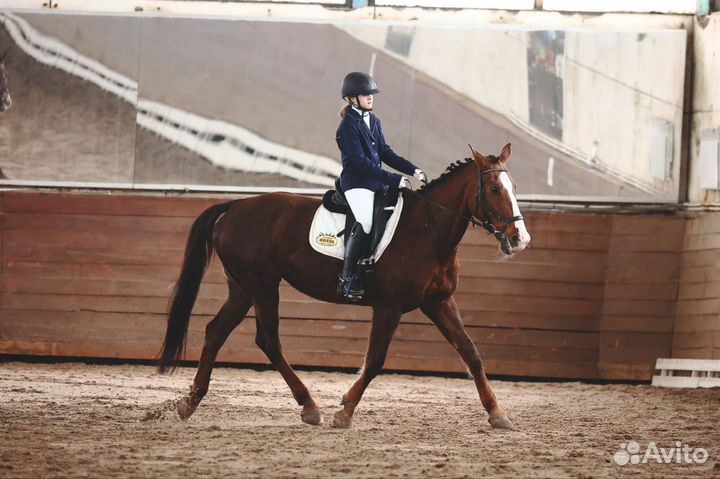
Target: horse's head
[
  {"x": 494, "y": 202},
  {"x": 5, "y": 99}
]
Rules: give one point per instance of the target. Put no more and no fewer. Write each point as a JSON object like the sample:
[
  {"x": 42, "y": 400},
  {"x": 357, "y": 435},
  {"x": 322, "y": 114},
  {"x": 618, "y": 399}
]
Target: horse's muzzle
[{"x": 517, "y": 243}]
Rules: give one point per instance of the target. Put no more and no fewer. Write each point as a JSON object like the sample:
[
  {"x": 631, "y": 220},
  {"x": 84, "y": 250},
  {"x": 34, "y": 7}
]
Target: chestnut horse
[{"x": 264, "y": 239}]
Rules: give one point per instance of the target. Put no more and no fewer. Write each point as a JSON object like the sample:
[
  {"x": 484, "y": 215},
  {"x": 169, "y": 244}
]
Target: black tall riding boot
[{"x": 351, "y": 284}]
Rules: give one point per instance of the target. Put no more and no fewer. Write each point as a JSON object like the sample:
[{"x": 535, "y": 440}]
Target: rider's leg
[{"x": 361, "y": 203}]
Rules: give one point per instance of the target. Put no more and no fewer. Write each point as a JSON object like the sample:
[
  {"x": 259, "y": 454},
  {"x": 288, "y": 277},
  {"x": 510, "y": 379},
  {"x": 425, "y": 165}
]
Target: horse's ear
[
  {"x": 476, "y": 155},
  {"x": 505, "y": 154}
]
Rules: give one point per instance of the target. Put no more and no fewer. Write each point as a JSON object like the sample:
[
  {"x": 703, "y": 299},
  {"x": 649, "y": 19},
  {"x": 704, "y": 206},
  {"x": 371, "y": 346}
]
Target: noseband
[{"x": 486, "y": 223}]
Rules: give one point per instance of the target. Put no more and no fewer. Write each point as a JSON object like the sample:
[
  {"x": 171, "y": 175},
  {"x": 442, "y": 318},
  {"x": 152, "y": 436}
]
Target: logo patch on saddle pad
[
  {"x": 327, "y": 240},
  {"x": 326, "y": 225}
]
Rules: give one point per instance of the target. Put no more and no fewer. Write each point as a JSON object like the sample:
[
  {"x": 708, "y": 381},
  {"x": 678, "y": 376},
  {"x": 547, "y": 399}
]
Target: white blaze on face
[{"x": 520, "y": 225}]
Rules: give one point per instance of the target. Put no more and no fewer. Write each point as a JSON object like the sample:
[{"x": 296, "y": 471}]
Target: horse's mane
[{"x": 449, "y": 171}]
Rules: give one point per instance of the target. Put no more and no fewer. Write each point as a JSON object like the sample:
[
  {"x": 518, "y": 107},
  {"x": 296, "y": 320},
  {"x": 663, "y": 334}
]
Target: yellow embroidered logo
[{"x": 326, "y": 240}]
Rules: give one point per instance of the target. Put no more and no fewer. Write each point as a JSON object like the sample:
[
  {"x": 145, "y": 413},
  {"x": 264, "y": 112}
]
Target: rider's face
[{"x": 366, "y": 101}]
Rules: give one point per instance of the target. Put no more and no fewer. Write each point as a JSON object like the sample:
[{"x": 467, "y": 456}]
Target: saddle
[{"x": 383, "y": 207}]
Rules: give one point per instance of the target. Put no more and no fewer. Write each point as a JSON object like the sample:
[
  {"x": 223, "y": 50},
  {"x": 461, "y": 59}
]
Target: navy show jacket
[{"x": 363, "y": 152}]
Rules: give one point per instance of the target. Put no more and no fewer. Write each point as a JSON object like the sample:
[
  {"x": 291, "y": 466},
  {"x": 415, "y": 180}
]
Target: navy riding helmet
[{"x": 357, "y": 83}]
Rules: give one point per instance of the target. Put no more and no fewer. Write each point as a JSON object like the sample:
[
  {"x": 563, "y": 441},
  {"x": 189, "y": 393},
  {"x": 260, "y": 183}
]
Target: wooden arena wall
[
  {"x": 697, "y": 321},
  {"x": 89, "y": 275}
]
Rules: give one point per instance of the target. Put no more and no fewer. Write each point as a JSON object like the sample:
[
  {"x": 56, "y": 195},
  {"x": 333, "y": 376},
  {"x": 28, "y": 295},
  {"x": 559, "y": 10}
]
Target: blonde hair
[{"x": 343, "y": 111}]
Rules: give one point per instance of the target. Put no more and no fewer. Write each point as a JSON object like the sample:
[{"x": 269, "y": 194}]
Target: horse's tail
[{"x": 198, "y": 253}]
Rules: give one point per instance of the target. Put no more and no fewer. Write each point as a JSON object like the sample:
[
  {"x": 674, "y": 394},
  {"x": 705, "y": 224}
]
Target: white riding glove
[
  {"x": 403, "y": 183},
  {"x": 420, "y": 175}
]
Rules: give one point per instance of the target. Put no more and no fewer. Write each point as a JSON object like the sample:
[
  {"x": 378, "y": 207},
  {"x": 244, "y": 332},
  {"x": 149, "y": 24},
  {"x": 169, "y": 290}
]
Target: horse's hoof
[
  {"x": 311, "y": 415},
  {"x": 185, "y": 409},
  {"x": 342, "y": 420},
  {"x": 500, "y": 421}
]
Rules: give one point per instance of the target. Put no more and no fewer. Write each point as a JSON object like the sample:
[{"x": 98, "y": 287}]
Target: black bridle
[
  {"x": 486, "y": 224},
  {"x": 486, "y": 221}
]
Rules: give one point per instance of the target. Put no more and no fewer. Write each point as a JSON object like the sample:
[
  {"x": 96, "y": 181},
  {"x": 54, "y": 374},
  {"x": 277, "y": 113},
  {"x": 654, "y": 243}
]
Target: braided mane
[{"x": 449, "y": 171}]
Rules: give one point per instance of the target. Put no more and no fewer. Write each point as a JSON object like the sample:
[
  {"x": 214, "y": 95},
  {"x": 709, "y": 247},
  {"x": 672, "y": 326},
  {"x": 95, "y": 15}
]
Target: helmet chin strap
[{"x": 357, "y": 99}]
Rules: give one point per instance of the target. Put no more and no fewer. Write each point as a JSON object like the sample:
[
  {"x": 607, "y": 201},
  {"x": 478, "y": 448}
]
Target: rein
[{"x": 486, "y": 222}]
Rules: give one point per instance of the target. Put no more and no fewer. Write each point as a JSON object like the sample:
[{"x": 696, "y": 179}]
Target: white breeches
[{"x": 361, "y": 203}]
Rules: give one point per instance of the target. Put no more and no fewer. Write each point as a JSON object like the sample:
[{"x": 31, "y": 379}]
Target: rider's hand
[
  {"x": 403, "y": 183},
  {"x": 420, "y": 175}
]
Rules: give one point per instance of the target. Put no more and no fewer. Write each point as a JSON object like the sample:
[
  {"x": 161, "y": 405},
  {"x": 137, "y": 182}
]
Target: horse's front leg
[
  {"x": 384, "y": 322},
  {"x": 446, "y": 317}
]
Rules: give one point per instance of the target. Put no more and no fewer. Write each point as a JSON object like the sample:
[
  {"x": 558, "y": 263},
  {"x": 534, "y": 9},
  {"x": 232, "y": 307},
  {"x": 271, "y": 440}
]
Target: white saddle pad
[{"x": 326, "y": 225}]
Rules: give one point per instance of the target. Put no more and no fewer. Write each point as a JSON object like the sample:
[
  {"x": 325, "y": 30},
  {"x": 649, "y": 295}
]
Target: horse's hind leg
[
  {"x": 268, "y": 340},
  {"x": 384, "y": 323},
  {"x": 216, "y": 332},
  {"x": 447, "y": 318}
]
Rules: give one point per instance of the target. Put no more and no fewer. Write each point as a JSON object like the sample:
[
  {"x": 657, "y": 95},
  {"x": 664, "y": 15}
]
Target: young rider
[{"x": 364, "y": 149}]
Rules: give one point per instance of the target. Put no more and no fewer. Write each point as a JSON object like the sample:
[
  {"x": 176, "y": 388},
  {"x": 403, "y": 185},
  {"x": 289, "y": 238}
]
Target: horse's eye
[{"x": 495, "y": 189}]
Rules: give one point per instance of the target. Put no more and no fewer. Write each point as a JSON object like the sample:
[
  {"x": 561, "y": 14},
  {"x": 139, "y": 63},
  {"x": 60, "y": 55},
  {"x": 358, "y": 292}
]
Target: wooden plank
[
  {"x": 640, "y": 324},
  {"x": 632, "y": 339},
  {"x": 701, "y": 242},
  {"x": 99, "y": 271},
  {"x": 122, "y": 204},
  {"x": 568, "y": 222},
  {"x": 624, "y": 371},
  {"x": 698, "y": 307},
  {"x": 699, "y": 274},
  {"x": 696, "y": 339},
  {"x": 489, "y": 302},
  {"x": 100, "y": 224},
  {"x": 531, "y": 288},
  {"x": 653, "y": 226},
  {"x": 624, "y": 260},
  {"x": 566, "y": 241},
  {"x": 667, "y": 243},
  {"x": 552, "y": 239},
  {"x": 532, "y": 320},
  {"x": 511, "y": 270},
  {"x": 667, "y": 292},
  {"x": 643, "y": 275},
  {"x": 707, "y": 290},
  {"x": 555, "y": 229},
  {"x": 118, "y": 254},
  {"x": 697, "y": 323},
  {"x": 98, "y": 240},
  {"x": 701, "y": 258},
  {"x": 137, "y": 287},
  {"x": 633, "y": 356},
  {"x": 696, "y": 352},
  {"x": 535, "y": 256},
  {"x": 638, "y": 307}
]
